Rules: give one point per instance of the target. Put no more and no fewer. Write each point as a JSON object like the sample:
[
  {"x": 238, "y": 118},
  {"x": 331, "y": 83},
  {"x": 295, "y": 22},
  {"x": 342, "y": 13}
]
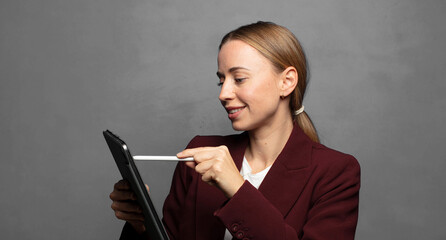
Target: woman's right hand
[{"x": 126, "y": 207}]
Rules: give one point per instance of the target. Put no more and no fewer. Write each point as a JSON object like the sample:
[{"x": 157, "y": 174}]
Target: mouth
[{"x": 234, "y": 112}]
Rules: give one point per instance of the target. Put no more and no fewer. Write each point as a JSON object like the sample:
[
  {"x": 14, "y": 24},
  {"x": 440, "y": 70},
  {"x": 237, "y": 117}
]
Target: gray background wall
[{"x": 146, "y": 70}]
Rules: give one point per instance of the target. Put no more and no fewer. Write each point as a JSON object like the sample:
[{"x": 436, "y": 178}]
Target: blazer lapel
[{"x": 285, "y": 180}]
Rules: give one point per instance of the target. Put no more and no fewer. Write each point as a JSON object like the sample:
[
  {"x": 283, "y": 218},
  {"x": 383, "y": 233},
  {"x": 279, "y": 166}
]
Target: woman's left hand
[{"x": 216, "y": 167}]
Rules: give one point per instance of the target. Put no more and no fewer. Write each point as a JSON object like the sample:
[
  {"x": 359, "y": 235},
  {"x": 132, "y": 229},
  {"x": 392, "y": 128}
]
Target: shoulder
[
  {"x": 334, "y": 168},
  {"x": 215, "y": 140},
  {"x": 324, "y": 156}
]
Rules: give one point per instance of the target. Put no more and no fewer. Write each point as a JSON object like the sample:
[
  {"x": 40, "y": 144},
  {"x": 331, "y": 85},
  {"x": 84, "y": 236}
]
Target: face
[{"x": 249, "y": 86}]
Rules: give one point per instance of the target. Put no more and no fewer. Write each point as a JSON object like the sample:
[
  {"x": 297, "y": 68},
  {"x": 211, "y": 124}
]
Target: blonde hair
[{"x": 282, "y": 49}]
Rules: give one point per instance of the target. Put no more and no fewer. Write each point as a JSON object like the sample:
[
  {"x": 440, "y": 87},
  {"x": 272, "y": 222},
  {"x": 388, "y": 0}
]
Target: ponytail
[{"x": 307, "y": 126}]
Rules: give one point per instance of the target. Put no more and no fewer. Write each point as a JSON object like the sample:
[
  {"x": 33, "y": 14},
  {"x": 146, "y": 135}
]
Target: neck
[{"x": 266, "y": 143}]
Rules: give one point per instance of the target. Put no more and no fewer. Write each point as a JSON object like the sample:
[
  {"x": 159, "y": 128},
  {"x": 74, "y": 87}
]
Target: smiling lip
[{"x": 234, "y": 112}]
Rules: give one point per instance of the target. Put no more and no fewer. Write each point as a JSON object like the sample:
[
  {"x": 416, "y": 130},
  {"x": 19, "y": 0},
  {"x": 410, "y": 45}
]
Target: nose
[{"x": 227, "y": 91}]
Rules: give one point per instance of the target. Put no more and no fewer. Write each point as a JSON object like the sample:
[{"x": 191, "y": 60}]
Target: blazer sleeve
[{"x": 332, "y": 215}]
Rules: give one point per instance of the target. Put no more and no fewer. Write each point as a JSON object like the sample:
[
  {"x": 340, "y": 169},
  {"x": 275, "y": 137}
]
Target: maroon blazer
[{"x": 310, "y": 192}]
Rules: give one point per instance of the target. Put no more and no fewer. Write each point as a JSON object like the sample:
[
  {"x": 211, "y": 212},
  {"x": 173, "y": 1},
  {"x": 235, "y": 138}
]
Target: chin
[
  {"x": 238, "y": 129},
  {"x": 238, "y": 126}
]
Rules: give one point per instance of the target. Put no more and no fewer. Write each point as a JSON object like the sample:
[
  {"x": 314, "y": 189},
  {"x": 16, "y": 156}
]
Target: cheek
[
  {"x": 261, "y": 95},
  {"x": 267, "y": 90}
]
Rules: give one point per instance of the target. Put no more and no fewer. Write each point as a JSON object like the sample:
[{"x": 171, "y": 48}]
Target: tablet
[{"x": 127, "y": 167}]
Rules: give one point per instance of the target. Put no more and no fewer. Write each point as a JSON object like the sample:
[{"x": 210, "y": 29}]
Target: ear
[{"x": 288, "y": 81}]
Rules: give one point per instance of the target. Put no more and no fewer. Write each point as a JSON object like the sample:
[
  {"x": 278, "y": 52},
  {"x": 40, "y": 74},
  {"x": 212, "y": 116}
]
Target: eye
[
  {"x": 239, "y": 80},
  {"x": 221, "y": 80}
]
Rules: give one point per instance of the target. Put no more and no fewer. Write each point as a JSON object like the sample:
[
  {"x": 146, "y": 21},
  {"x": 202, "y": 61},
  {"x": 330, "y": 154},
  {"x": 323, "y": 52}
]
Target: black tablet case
[{"x": 127, "y": 167}]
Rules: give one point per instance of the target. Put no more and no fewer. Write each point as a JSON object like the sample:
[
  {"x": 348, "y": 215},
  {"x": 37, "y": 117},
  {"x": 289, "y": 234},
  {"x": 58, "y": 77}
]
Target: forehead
[{"x": 236, "y": 53}]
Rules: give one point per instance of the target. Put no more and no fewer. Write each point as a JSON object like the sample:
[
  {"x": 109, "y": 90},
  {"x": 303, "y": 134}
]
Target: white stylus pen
[{"x": 161, "y": 158}]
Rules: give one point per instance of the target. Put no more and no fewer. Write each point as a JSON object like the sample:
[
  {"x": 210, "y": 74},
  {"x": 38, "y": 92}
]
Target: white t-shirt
[{"x": 254, "y": 178}]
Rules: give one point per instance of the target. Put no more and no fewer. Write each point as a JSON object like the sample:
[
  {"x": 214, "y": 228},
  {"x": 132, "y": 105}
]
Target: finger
[
  {"x": 147, "y": 187},
  {"x": 122, "y": 185},
  {"x": 138, "y": 226},
  {"x": 204, "y": 167},
  {"x": 190, "y": 152},
  {"x": 191, "y": 164},
  {"x": 118, "y": 195},
  {"x": 130, "y": 207},
  {"x": 129, "y": 216},
  {"x": 204, "y": 155},
  {"x": 208, "y": 177}
]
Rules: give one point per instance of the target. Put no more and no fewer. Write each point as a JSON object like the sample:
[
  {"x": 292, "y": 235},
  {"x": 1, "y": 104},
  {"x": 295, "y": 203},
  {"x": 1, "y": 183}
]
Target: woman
[{"x": 273, "y": 181}]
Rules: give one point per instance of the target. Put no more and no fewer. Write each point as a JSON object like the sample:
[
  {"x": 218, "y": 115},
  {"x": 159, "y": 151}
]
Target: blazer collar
[
  {"x": 288, "y": 174},
  {"x": 295, "y": 155}
]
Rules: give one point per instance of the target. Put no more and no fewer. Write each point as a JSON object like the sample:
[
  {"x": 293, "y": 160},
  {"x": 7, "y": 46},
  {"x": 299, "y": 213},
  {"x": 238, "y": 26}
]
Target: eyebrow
[{"x": 231, "y": 70}]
